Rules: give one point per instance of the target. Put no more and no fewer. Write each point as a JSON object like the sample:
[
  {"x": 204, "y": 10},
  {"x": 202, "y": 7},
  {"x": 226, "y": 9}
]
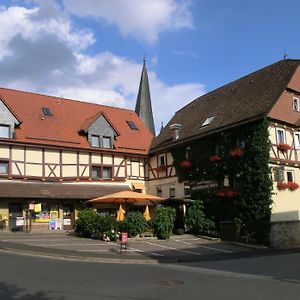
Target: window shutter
[{"x": 278, "y": 174}]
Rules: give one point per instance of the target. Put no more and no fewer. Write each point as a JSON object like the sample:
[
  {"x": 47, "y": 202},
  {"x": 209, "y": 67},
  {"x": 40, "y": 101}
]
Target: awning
[
  {"x": 138, "y": 185},
  {"x": 39, "y": 190}
]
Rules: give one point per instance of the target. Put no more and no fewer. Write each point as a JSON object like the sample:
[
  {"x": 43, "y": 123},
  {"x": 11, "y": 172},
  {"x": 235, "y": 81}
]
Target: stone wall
[{"x": 285, "y": 234}]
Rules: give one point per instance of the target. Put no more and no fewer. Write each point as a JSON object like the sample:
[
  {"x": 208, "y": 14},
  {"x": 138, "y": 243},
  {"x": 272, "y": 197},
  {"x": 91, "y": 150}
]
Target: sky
[{"x": 93, "y": 50}]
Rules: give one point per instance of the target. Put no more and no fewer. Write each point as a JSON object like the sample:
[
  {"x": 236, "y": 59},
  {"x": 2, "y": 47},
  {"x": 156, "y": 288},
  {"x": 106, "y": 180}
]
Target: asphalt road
[{"x": 268, "y": 277}]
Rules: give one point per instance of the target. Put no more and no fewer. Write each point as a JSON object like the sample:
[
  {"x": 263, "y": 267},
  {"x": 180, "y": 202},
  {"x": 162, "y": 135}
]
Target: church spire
[{"x": 143, "y": 106}]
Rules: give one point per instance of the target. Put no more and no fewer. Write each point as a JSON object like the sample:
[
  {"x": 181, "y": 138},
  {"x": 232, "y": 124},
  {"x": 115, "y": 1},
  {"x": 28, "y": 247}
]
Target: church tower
[{"x": 143, "y": 106}]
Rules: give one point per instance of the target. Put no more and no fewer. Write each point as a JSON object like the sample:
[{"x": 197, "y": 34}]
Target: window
[
  {"x": 96, "y": 172},
  {"x": 280, "y": 136},
  {"x": 4, "y": 131},
  {"x": 290, "y": 176},
  {"x": 47, "y": 111},
  {"x": 296, "y": 104},
  {"x": 162, "y": 160},
  {"x": 172, "y": 191},
  {"x": 3, "y": 167},
  {"x": 132, "y": 125},
  {"x": 208, "y": 121},
  {"x": 187, "y": 189},
  {"x": 95, "y": 141},
  {"x": 278, "y": 174},
  {"x": 159, "y": 191},
  {"x": 106, "y": 141},
  {"x": 106, "y": 173},
  {"x": 297, "y": 140}
]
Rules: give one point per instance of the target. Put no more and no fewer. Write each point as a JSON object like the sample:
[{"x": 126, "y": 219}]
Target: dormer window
[
  {"x": 96, "y": 141},
  {"x": 296, "y": 105},
  {"x": 106, "y": 142},
  {"x": 208, "y": 121},
  {"x": 47, "y": 112},
  {"x": 4, "y": 131}
]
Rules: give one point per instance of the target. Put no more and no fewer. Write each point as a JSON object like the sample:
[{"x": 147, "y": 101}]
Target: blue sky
[{"x": 92, "y": 50}]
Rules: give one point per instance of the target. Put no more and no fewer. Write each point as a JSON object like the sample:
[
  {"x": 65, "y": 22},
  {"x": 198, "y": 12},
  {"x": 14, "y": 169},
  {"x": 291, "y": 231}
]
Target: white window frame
[
  {"x": 208, "y": 121},
  {"x": 297, "y": 140},
  {"x": 4, "y": 164},
  {"x": 296, "y": 105},
  {"x": 93, "y": 137},
  {"x": 277, "y": 136},
  {"x": 106, "y": 139},
  {"x": 293, "y": 175},
  {"x": 4, "y": 128}
]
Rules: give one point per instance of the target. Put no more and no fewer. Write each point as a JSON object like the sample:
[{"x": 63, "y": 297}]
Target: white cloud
[
  {"x": 40, "y": 51},
  {"x": 139, "y": 19}
]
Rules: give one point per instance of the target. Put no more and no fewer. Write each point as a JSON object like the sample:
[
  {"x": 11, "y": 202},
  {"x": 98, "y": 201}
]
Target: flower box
[
  {"x": 215, "y": 158},
  {"x": 292, "y": 186},
  {"x": 227, "y": 193},
  {"x": 282, "y": 186},
  {"x": 283, "y": 147},
  {"x": 237, "y": 152},
  {"x": 185, "y": 164}
]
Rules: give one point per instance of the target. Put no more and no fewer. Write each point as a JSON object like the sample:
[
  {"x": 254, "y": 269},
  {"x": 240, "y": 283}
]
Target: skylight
[
  {"x": 132, "y": 125},
  {"x": 208, "y": 121},
  {"x": 47, "y": 111}
]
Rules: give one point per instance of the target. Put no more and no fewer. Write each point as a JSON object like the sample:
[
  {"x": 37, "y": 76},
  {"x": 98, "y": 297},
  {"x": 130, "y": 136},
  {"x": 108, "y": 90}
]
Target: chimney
[{"x": 175, "y": 128}]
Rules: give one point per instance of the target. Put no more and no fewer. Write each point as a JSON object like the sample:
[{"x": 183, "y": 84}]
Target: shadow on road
[{"x": 10, "y": 292}]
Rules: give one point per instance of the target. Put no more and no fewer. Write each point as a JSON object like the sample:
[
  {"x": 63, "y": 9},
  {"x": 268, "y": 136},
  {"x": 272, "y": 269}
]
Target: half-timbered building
[{"x": 272, "y": 93}]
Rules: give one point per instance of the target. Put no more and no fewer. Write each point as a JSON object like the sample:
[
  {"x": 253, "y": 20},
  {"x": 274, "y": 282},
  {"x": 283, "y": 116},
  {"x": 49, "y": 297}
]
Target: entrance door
[
  {"x": 15, "y": 211},
  {"x": 69, "y": 216}
]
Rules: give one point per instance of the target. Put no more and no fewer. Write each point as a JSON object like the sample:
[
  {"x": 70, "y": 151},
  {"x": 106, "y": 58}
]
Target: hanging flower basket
[
  {"x": 282, "y": 186},
  {"x": 227, "y": 193},
  {"x": 292, "y": 186},
  {"x": 284, "y": 147},
  {"x": 237, "y": 152},
  {"x": 185, "y": 164},
  {"x": 215, "y": 158}
]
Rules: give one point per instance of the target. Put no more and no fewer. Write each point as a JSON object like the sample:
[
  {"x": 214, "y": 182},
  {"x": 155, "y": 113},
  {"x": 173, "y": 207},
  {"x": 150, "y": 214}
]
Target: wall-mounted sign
[
  {"x": 38, "y": 207},
  {"x": 20, "y": 221},
  {"x": 31, "y": 206},
  {"x": 67, "y": 222}
]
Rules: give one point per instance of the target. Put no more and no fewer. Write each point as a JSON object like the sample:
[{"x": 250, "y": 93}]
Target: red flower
[
  {"x": 237, "y": 152},
  {"x": 292, "y": 186},
  {"x": 282, "y": 185},
  {"x": 284, "y": 147},
  {"x": 215, "y": 158},
  {"x": 185, "y": 164},
  {"x": 227, "y": 193}
]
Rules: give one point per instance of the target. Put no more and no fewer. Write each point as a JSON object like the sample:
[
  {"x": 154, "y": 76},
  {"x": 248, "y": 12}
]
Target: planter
[
  {"x": 185, "y": 164},
  {"x": 282, "y": 186},
  {"x": 237, "y": 152},
  {"x": 292, "y": 186},
  {"x": 283, "y": 147},
  {"x": 161, "y": 168},
  {"x": 229, "y": 231},
  {"x": 215, "y": 158}
]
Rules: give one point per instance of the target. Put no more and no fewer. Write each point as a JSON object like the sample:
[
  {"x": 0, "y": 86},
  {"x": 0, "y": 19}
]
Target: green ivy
[{"x": 252, "y": 205}]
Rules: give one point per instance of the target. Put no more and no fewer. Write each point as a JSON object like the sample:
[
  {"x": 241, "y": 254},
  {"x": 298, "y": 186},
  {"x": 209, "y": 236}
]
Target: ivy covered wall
[{"x": 235, "y": 166}]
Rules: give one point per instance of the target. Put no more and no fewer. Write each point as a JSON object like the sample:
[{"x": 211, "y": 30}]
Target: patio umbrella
[
  {"x": 120, "y": 214},
  {"x": 147, "y": 214},
  {"x": 125, "y": 197}
]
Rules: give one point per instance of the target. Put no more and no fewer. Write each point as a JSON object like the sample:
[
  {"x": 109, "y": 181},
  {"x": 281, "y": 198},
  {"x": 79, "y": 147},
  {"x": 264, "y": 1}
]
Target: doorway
[{"x": 15, "y": 216}]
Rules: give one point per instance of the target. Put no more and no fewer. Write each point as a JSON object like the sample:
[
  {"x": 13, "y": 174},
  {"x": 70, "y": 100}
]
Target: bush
[
  {"x": 134, "y": 223},
  {"x": 196, "y": 221},
  {"x": 163, "y": 221},
  {"x": 92, "y": 224},
  {"x": 88, "y": 223}
]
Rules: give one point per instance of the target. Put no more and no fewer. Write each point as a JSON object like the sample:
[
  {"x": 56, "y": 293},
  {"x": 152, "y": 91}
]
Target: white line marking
[
  {"x": 171, "y": 248},
  {"x": 205, "y": 247}
]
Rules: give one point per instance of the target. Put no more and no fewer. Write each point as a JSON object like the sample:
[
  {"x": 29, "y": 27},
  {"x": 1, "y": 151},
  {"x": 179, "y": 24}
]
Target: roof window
[
  {"x": 132, "y": 125},
  {"x": 47, "y": 111},
  {"x": 208, "y": 121}
]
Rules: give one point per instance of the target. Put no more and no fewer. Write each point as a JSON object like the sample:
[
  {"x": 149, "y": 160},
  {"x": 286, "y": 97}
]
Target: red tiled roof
[{"x": 69, "y": 117}]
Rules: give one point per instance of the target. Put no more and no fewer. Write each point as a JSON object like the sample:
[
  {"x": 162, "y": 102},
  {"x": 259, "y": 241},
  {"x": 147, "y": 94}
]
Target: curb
[{"x": 257, "y": 247}]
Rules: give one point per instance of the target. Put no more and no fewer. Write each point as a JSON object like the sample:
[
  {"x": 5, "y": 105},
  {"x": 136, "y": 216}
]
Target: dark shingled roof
[
  {"x": 246, "y": 99},
  {"x": 34, "y": 190}
]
